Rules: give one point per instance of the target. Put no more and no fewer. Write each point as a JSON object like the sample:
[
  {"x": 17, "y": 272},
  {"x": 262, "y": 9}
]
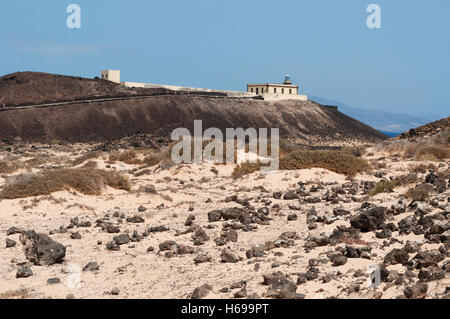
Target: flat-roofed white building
[
  {"x": 111, "y": 75},
  {"x": 277, "y": 91}
]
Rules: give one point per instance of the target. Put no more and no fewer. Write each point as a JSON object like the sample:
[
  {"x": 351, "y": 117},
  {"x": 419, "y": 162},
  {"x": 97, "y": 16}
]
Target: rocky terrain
[
  {"x": 194, "y": 231},
  {"x": 306, "y": 122},
  {"x": 427, "y": 130}
]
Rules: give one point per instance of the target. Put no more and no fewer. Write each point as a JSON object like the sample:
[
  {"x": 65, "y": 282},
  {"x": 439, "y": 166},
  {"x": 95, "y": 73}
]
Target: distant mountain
[
  {"x": 390, "y": 134},
  {"x": 386, "y": 122}
]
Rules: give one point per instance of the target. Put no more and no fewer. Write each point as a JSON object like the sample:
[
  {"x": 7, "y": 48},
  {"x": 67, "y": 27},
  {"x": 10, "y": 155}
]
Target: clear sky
[{"x": 325, "y": 45}]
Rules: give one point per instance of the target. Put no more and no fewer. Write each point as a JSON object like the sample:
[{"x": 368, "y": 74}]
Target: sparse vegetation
[
  {"x": 339, "y": 161},
  {"x": 416, "y": 194},
  {"x": 383, "y": 187},
  {"x": 128, "y": 157},
  {"x": 388, "y": 186},
  {"x": 86, "y": 156},
  {"x": 84, "y": 180},
  {"x": 435, "y": 148},
  {"x": 9, "y": 165}
]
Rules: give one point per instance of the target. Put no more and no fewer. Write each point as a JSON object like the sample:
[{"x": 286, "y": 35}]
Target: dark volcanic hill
[
  {"x": 37, "y": 88},
  {"x": 158, "y": 115},
  {"x": 428, "y": 129}
]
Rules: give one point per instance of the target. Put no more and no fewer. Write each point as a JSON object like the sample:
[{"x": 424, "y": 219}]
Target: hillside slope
[
  {"x": 428, "y": 129},
  {"x": 37, "y": 88},
  {"x": 304, "y": 121}
]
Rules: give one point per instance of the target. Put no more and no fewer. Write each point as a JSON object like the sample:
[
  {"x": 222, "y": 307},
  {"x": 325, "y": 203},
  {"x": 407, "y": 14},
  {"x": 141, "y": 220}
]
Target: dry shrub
[
  {"x": 90, "y": 164},
  {"x": 337, "y": 161},
  {"x": 388, "y": 186},
  {"x": 87, "y": 181},
  {"x": 358, "y": 151},
  {"x": 128, "y": 157},
  {"x": 245, "y": 169},
  {"x": 416, "y": 194},
  {"x": 432, "y": 153},
  {"x": 383, "y": 187},
  {"x": 21, "y": 293},
  {"x": 8, "y": 166},
  {"x": 86, "y": 156}
]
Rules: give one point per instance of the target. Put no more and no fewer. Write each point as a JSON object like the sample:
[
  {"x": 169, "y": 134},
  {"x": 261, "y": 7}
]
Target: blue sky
[{"x": 325, "y": 45}]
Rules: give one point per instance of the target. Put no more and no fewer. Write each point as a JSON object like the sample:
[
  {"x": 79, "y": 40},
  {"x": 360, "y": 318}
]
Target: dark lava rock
[
  {"x": 189, "y": 220},
  {"x": 417, "y": 291},
  {"x": 10, "y": 243},
  {"x": 214, "y": 216},
  {"x": 135, "y": 219},
  {"x": 338, "y": 259},
  {"x": 425, "y": 258},
  {"x": 13, "y": 230},
  {"x": 24, "y": 271},
  {"x": 76, "y": 235},
  {"x": 256, "y": 251},
  {"x": 167, "y": 245},
  {"x": 201, "y": 292},
  {"x": 91, "y": 266},
  {"x": 157, "y": 229},
  {"x": 370, "y": 220},
  {"x": 273, "y": 278},
  {"x": 231, "y": 236},
  {"x": 41, "y": 249},
  {"x": 232, "y": 213},
  {"x": 227, "y": 256},
  {"x": 340, "y": 212},
  {"x": 290, "y": 195},
  {"x": 53, "y": 281},
  {"x": 112, "y": 246},
  {"x": 200, "y": 236},
  {"x": 396, "y": 256},
  {"x": 431, "y": 274},
  {"x": 115, "y": 291},
  {"x": 241, "y": 293},
  {"x": 122, "y": 239},
  {"x": 204, "y": 258},
  {"x": 283, "y": 289}
]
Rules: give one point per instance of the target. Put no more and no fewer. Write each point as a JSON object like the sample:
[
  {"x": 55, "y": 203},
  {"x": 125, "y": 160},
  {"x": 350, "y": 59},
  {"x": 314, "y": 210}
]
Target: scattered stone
[
  {"x": 53, "y": 281},
  {"x": 370, "y": 220},
  {"x": 91, "y": 266},
  {"x": 13, "y": 230},
  {"x": 135, "y": 219},
  {"x": 122, "y": 239},
  {"x": 227, "y": 256},
  {"x": 417, "y": 291},
  {"x": 10, "y": 243},
  {"x": 76, "y": 235},
  {"x": 112, "y": 246},
  {"x": 115, "y": 291},
  {"x": 201, "y": 292},
  {"x": 214, "y": 216},
  {"x": 203, "y": 258},
  {"x": 338, "y": 259},
  {"x": 396, "y": 256},
  {"x": 24, "y": 271},
  {"x": 241, "y": 293},
  {"x": 41, "y": 249}
]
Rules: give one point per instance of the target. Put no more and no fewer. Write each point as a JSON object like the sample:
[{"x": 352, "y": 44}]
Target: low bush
[{"x": 88, "y": 181}]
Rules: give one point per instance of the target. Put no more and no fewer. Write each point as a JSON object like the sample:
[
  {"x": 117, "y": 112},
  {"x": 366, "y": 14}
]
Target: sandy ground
[{"x": 138, "y": 273}]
